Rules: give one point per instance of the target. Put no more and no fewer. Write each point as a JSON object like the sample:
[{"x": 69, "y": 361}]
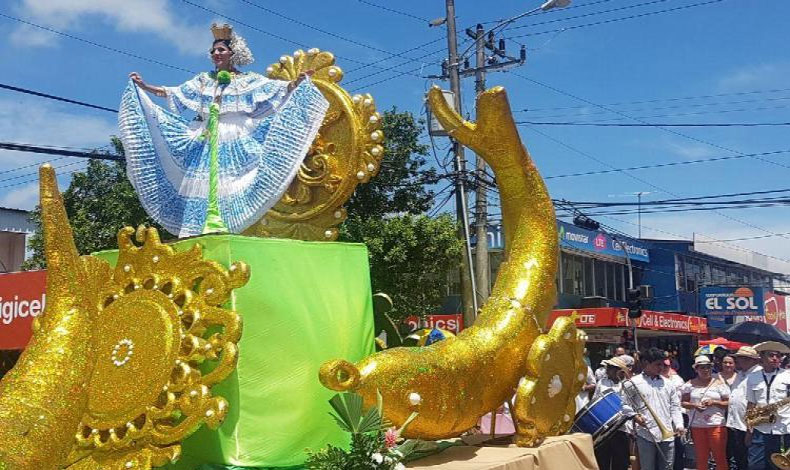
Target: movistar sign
[{"x": 572, "y": 236}]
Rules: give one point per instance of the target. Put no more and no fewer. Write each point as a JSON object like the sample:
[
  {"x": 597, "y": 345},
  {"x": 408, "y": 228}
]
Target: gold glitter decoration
[
  {"x": 346, "y": 152},
  {"x": 556, "y": 371},
  {"x": 454, "y": 382},
  {"x": 43, "y": 397},
  {"x": 122, "y": 358}
]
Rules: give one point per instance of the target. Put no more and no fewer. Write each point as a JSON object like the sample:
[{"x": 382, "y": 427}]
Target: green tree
[
  {"x": 99, "y": 201},
  {"x": 410, "y": 256},
  {"x": 410, "y": 253},
  {"x": 401, "y": 186}
]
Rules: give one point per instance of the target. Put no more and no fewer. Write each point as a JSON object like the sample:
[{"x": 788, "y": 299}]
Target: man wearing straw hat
[
  {"x": 764, "y": 387},
  {"x": 613, "y": 454},
  {"x": 747, "y": 360}
]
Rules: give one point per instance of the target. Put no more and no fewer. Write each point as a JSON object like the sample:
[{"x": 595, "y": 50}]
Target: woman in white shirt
[{"x": 707, "y": 398}]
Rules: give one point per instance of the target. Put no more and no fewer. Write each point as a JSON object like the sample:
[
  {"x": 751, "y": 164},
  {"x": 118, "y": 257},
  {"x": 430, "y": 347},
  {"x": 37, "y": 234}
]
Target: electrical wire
[
  {"x": 663, "y": 165},
  {"x": 662, "y": 100},
  {"x": 323, "y": 31},
  {"x": 96, "y": 44},
  {"x": 615, "y": 20},
  {"x": 663, "y": 124}
]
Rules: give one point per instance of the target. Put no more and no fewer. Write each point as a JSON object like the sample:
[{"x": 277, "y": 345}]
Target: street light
[{"x": 547, "y": 5}]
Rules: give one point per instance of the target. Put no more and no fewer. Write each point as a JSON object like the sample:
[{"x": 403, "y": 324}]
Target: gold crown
[{"x": 223, "y": 31}]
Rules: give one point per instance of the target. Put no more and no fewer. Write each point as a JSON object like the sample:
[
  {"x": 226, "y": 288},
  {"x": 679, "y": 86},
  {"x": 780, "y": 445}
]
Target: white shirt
[
  {"x": 600, "y": 373},
  {"x": 737, "y": 408},
  {"x": 712, "y": 416},
  {"x": 583, "y": 397},
  {"x": 757, "y": 393},
  {"x": 663, "y": 399}
]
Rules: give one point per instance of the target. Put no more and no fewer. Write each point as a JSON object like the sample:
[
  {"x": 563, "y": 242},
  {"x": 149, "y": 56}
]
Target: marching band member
[
  {"x": 746, "y": 361},
  {"x": 613, "y": 454},
  {"x": 649, "y": 390},
  {"x": 765, "y": 387}
]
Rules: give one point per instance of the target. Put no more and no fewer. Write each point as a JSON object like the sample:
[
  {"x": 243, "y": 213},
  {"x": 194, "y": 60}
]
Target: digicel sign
[{"x": 22, "y": 298}]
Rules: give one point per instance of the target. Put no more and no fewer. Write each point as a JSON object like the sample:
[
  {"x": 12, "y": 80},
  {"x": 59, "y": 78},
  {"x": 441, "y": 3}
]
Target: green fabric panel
[{"x": 305, "y": 303}]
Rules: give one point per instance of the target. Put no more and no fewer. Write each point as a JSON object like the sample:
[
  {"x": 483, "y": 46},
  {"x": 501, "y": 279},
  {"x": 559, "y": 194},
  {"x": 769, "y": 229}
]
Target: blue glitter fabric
[{"x": 264, "y": 134}]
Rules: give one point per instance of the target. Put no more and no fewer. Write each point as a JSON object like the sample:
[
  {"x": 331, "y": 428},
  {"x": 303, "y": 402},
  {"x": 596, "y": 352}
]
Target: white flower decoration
[
  {"x": 399, "y": 466},
  {"x": 377, "y": 458},
  {"x": 555, "y": 386}
]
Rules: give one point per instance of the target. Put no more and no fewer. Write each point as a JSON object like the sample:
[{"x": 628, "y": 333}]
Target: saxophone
[{"x": 765, "y": 414}]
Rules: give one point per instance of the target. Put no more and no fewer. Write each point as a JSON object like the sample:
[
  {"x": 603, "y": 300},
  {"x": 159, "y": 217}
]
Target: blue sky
[{"x": 725, "y": 47}]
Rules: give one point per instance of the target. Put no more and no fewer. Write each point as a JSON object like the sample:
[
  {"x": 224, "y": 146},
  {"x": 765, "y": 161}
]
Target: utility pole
[
  {"x": 468, "y": 285},
  {"x": 482, "y": 269}
]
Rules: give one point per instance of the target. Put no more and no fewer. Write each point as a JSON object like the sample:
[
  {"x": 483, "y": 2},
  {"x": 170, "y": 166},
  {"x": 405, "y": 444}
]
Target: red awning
[
  {"x": 22, "y": 298},
  {"x": 618, "y": 317}
]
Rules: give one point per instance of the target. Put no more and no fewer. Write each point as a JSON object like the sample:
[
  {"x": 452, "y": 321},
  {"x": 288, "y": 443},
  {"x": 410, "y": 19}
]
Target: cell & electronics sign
[{"x": 578, "y": 238}]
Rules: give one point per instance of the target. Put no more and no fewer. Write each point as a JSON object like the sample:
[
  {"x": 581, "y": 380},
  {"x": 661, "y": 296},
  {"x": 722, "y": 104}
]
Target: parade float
[{"x": 140, "y": 359}]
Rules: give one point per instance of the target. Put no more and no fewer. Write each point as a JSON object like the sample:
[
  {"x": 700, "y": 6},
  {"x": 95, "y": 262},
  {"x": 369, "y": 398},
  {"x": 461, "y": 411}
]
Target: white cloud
[
  {"x": 134, "y": 16},
  {"x": 24, "y": 197},
  {"x": 692, "y": 151},
  {"x": 755, "y": 77},
  {"x": 35, "y": 122}
]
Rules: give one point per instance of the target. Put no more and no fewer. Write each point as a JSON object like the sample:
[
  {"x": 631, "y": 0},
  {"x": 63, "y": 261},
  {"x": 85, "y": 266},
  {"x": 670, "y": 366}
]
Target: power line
[
  {"x": 268, "y": 33},
  {"x": 694, "y": 113},
  {"x": 661, "y": 100},
  {"x": 585, "y": 15},
  {"x": 616, "y": 124},
  {"x": 35, "y": 175},
  {"x": 657, "y": 108},
  {"x": 397, "y": 12},
  {"x": 671, "y": 131},
  {"x": 323, "y": 31},
  {"x": 662, "y": 165},
  {"x": 56, "y": 98},
  {"x": 642, "y": 180},
  {"x": 55, "y": 151},
  {"x": 96, "y": 44},
  {"x": 685, "y": 238},
  {"x": 615, "y": 20}
]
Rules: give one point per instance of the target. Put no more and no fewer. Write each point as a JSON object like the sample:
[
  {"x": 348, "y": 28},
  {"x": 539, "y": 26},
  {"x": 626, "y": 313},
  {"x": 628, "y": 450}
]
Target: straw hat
[
  {"x": 615, "y": 362},
  {"x": 748, "y": 352},
  {"x": 701, "y": 360},
  {"x": 771, "y": 346}
]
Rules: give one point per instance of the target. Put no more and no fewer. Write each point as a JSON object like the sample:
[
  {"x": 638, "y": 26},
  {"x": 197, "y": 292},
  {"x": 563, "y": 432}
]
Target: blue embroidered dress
[{"x": 263, "y": 133}]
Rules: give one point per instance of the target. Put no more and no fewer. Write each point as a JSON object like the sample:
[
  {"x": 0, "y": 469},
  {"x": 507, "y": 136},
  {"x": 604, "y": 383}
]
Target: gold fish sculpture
[
  {"x": 110, "y": 379},
  {"x": 454, "y": 382}
]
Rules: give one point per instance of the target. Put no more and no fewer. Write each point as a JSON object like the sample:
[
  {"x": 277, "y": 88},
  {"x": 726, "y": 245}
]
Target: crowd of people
[{"x": 666, "y": 416}]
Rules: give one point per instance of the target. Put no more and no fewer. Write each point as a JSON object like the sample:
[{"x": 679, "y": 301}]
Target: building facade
[{"x": 15, "y": 228}]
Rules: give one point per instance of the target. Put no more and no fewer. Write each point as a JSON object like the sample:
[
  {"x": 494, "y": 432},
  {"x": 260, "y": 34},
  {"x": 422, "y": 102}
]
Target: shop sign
[
  {"x": 671, "y": 322},
  {"x": 578, "y": 238},
  {"x": 22, "y": 298},
  {"x": 731, "y": 301},
  {"x": 453, "y": 322},
  {"x": 618, "y": 317}
]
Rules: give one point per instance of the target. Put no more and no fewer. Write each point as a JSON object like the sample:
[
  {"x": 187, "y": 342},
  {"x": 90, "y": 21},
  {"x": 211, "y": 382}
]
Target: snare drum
[{"x": 601, "y": 417}]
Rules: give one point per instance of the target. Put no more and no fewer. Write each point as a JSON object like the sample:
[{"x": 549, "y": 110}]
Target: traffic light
[{"x": 634, "y": 299}]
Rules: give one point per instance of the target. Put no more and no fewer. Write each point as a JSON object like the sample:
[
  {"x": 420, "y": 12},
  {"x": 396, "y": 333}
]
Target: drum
[{"x": 601, "y": 417}]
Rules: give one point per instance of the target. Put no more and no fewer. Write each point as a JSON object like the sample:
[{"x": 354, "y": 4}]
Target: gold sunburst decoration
[
  {"x": 347, "y": 151},
  {"x": 120, "y": 365},
  {"x": 160, "y": 324}
]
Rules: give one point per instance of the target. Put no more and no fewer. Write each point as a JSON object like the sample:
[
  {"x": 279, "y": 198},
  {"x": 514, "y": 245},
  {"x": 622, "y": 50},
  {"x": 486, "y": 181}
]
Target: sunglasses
[
  {"x": 704, "y": 366},
  {"x": 773, "y": 354}
]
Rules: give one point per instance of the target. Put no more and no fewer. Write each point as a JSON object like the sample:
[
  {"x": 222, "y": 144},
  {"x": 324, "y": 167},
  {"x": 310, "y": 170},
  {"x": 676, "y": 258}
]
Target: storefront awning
[
  {"x": 612, "y": 317},
  {"x": 22, "y": 298}
]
